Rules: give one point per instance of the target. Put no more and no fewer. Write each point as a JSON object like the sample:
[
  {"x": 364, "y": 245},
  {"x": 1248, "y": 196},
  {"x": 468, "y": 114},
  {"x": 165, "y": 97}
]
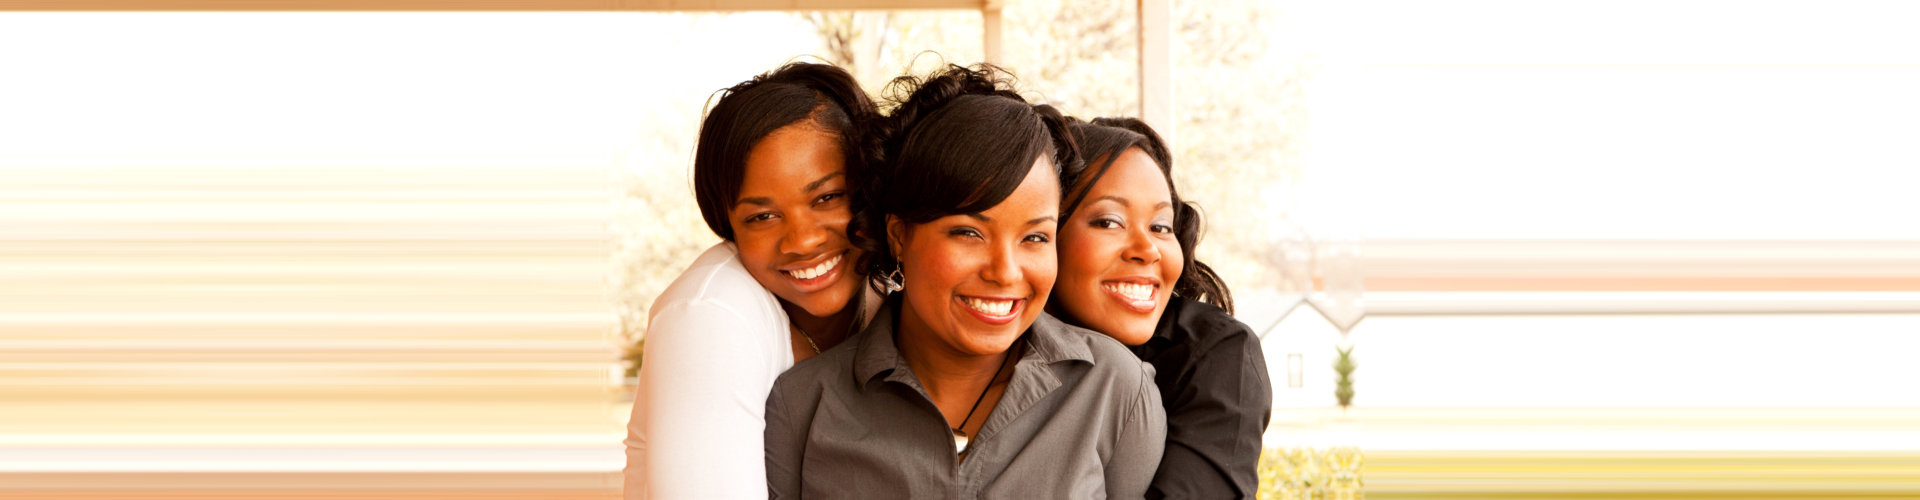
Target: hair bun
[
  {"x": 927, "y": 145},
  {"x": 912, "y": 98}
]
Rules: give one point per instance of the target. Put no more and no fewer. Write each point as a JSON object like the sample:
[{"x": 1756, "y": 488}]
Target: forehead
[
  {"x": 789, "y": 158},
  {"x": 1133, "y": 176},
  {"x": 1037, "y": 196}
]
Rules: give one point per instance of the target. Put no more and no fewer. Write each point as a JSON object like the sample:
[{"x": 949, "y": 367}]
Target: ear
[{"x": 897, "y": 232}]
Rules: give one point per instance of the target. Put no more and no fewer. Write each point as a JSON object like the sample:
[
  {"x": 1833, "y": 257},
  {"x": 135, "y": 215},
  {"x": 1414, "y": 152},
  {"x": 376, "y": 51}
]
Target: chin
[
  {"x": 995, "y": 341},
  {"x": 825, "y": 302},
  {"x": 1134, "y": 331}
]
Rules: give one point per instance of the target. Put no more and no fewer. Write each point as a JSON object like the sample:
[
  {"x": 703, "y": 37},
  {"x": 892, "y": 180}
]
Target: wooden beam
[
  {"x": 990, "y": 31},
  {"x": 483, "y": 5},
  {"x": 1156, "y": 66}
]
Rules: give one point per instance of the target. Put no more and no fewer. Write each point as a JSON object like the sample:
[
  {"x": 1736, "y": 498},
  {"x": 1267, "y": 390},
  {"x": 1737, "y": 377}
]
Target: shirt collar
[
  {"x": 1164, "y": 332},
  {"x": 875, "y": 353},
  {"x": 1052, "y": 341}
]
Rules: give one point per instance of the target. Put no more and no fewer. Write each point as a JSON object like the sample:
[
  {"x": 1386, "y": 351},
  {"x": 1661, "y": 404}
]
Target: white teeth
[
  {"x": 991, "y": 307},
  {"x": 816, "y": 271},
  {"x": 1133, "y": 291}
]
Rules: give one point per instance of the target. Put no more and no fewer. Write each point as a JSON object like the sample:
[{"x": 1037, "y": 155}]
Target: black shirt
[{"x": 1213, "y": 381}]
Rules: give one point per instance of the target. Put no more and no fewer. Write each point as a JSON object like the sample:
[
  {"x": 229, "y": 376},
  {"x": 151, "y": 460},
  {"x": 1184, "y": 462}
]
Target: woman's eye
[
  {"x": 762, "y": 216},
  {"x": 1105, "y": 223},
  {"x": 1037, "y": 238},
  {"x": 1162, "y": 228},
  {"x": 829, "y": 197},
  {"x": 963, "y": 231}
]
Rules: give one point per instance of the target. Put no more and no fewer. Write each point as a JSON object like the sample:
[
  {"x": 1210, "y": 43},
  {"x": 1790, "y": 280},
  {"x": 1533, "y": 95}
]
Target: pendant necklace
[
  {"x": 960, "y": 439},
  {"x": 804, "y": 335},
  {"x": 857, "y": 314}
]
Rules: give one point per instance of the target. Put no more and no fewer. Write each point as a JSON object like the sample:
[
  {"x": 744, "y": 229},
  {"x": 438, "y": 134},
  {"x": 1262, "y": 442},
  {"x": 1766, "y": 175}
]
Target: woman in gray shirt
[{"x": 962, "y": 387}]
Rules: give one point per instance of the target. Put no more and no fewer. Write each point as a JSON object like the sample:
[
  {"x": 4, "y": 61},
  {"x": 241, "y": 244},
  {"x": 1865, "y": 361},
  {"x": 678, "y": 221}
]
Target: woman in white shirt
[{"x": 769, "y": 173}]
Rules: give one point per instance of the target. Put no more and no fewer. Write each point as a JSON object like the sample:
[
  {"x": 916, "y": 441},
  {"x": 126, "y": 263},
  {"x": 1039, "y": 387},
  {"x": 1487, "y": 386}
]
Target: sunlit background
[{"x": 1600, "y": 249}]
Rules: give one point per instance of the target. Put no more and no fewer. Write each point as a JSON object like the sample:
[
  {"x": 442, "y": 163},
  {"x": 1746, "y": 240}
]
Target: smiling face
[
  {"x": 790, "y": 220},
  {"x": 975, "y": 282},
  {"x": 1119, "y": 256}
]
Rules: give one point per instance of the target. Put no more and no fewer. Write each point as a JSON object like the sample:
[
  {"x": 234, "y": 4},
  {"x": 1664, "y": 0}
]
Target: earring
[{"x": 894, "y": 281}]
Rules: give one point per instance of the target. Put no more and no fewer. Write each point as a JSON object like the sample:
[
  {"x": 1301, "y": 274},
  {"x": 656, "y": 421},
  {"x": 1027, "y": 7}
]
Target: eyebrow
[
  {"x": 768, "y": 202},
  {"x": 1123, "y": 202},
  {"x": 1033, "y": 222},
  {"x": 823, "y": 180},
  {"x": 984, "y": 218}
]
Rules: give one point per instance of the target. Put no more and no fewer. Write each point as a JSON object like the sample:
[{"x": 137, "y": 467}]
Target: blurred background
[{"x": 1570, "y": 249}]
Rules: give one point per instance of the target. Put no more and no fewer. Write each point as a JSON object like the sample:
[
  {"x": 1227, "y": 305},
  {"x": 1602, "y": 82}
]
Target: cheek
[
  {"x": 1171, "y": 263},
  {"x": 757, "y": 250},
  {"x": 928, "y": 268},
  {"x": 1041, "y": 269},
  {"x": 1081, "y": 257},
  {"x": 837, "y": 220},
  {"x": 930, "y": 282}
]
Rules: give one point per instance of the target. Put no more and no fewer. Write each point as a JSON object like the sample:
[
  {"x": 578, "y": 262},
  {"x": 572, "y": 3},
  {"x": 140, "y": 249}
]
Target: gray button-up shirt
[{"x": 1080, "y": 419}]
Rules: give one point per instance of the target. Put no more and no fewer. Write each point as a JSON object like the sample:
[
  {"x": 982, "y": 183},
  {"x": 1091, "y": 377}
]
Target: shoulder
[
  {"x": 805, "y": 386},
  {"x": 831, "y": 365},
  {"x": 715, "y": 310},
  {"x": 808, "y": 380},
  {"x": 1204, "y": 327},
  {"x": 1109, "y": 357},
  {"x": 717, "y": 279},
  {"x": 1125, "y": 384}
]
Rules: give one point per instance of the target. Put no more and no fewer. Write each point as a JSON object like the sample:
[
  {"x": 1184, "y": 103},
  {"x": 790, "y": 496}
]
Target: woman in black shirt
[{"x": 1127, "y": 269}]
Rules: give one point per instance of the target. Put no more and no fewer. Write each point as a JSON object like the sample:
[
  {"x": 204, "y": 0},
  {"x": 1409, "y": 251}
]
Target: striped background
[{"x": 247, "y": 321}]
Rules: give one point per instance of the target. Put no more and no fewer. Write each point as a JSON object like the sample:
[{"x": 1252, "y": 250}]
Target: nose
[
  {"x": 1001, "y": 269},
  {"x": 804, "y": 235},
  {"x": 1140, "y": 246}
]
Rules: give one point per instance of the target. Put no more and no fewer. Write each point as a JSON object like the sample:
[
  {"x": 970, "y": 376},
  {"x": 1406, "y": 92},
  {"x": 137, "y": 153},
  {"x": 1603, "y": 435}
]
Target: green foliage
[
  {"x": 1344, "y": 366},
  {"x": 1305, "y": 473},
  {"x": 630, "y": 357}
]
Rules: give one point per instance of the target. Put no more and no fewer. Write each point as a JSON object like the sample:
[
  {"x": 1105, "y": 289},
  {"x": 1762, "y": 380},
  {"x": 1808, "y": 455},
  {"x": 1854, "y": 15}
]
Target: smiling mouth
[
  {"x": 1136, "y": 296},
  {"x": 817, "y": 270},
  {"x": 1135, "y": 291},
  {"x": 992, "y": 311},
  {"x": 990, "y": 307}
]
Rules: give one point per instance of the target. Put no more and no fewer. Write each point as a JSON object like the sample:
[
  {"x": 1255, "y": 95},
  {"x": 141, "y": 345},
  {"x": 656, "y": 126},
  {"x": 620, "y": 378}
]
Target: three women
[
  {"x": 961, "y": 386},
  {"x": 968, "y": 209}
]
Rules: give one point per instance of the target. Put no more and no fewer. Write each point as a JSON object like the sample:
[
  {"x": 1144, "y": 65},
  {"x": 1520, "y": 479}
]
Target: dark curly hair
[
  {"x": 754, "y": 109},
  {"x": 1104, "y": 140},
  {"x": 957, "y": 141}
]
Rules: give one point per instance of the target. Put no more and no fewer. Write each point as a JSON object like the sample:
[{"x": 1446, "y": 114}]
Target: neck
[{"x": 827, "y": 331}]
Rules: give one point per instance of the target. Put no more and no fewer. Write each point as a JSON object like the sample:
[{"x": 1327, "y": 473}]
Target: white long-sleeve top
[{"x": 716, "y": 340}]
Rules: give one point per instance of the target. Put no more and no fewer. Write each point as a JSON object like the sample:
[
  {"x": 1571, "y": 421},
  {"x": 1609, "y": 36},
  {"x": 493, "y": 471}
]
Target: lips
[
  {"x": 1134, "y": 294},
  {"x": 1133, "y": 291},
  {"x": 816, "y": 270},
  {"x": 816, "y": 277},
  {"x": 992, "y": 310},
  {"x": 992, "y": 307}
]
